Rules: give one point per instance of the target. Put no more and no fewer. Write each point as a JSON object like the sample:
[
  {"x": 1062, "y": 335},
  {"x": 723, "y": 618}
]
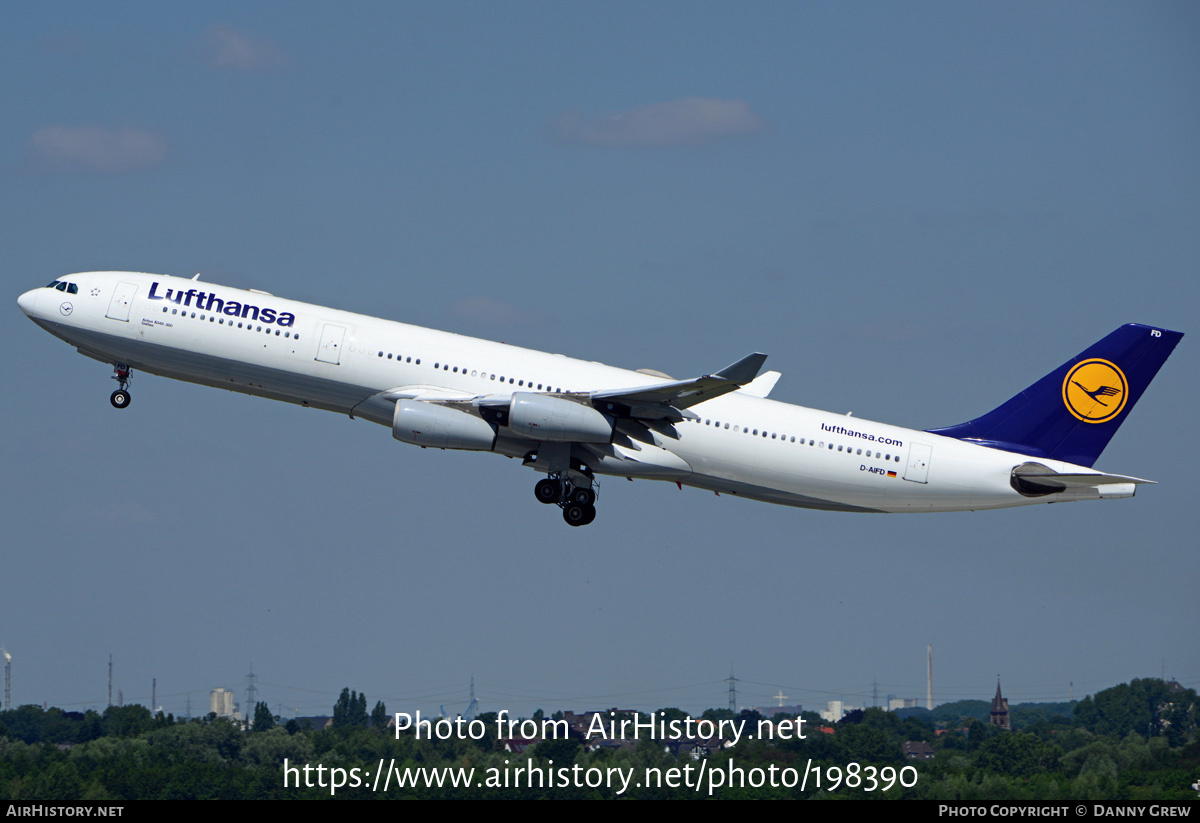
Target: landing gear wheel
[
  {"x": 548, "y": 490},
  {"x": 584, "y": 497},
  {"x": 578, "y": 515},
  {"x": 120, "y": 398}
]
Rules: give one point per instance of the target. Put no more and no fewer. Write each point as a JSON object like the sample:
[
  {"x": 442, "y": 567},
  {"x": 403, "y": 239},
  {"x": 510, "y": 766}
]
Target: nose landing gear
[{"x": 121, "y": 397}]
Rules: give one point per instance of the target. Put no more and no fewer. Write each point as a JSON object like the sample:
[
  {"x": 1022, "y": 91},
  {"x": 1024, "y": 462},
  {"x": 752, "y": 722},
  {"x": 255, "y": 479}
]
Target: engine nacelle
[
  {"x": 442, "y": 427},
  {"x": 540, "y": 417}
]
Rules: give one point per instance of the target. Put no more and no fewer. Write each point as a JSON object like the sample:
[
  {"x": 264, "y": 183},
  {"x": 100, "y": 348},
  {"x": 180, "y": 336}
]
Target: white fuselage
[{"x": 742, "y": 444}]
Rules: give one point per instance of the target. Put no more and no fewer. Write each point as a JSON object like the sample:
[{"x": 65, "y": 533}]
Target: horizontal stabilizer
[{"x": 1081, "y": 480}]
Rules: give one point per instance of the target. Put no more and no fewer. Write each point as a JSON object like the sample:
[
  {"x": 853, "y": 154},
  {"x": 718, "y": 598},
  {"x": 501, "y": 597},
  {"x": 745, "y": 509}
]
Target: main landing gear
[
  {"x": 578, "y": 503},
  {"x": 121, "y": 397}
]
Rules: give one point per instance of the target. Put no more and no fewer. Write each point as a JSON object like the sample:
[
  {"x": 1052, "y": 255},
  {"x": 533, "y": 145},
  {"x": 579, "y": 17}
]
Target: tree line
[{"x": 1136, "y": 741}]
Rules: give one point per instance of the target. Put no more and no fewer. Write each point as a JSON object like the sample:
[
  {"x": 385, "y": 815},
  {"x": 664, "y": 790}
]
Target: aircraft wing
[
  {"x": 761, "y": 386},
  {"x": 640, "y": 412},
  {"x": 380, "y": 406},
  {"x": 670, "y": 401}
]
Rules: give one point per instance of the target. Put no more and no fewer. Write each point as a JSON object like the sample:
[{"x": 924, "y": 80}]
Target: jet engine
[
  {"x": 540, "y": 417},
  {"x": 442, "y": 427}
]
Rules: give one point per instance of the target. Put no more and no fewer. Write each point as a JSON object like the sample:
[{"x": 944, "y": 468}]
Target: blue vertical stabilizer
[{"x": 1072, "y": 413}]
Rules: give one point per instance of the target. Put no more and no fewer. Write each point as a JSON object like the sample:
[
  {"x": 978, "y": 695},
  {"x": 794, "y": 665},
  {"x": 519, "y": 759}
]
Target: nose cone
[{"x": 28, "y": 301}]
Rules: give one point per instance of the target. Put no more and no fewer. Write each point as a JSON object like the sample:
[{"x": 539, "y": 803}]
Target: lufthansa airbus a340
[{"x": 572, "y": 420}]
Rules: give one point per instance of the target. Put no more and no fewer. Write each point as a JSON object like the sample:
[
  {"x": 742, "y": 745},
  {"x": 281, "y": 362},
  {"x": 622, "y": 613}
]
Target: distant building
[
  {"x": 220, "y": 702},
  {"x": 895, "y": 703},
  {"x": 1000, "y": 710},
  {"x": 836, "y": 710},
  {"x": 917, "y": 750}
]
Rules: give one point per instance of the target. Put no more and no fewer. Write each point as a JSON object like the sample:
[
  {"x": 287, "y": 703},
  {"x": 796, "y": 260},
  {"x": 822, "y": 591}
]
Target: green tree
[
  {"x": 350, "y": 711},
  {"x": 1148, "y": 707},
  {"x": 1017, "y": 754},
  {"x": 127, "y": 721},
  {"x": 379, "y": 716},
  {"x": 562, "y": 752},
  {"x": 263, "y": 719}
]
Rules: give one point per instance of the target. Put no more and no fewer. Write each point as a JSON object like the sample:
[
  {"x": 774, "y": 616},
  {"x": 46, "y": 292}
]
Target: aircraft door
[
  {"x": 918, "y": 462},
  {"x": 330, "y": 350},
  {"x": 122, "y": 299}
]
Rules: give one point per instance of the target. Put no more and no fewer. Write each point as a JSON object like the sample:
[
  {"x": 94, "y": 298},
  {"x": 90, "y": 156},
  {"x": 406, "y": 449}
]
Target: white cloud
[
  {"x": 228, "y": 48},
  {"x": 91, "y": 149},
  {"x": 690, "y": 121}
]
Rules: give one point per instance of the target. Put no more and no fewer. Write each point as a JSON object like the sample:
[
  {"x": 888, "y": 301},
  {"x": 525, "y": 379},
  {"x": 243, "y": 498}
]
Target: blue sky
[{"x": 916, "y": 210}]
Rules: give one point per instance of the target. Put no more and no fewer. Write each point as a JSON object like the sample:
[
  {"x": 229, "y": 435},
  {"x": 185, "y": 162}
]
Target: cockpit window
[
  {"x": 52, "y": 284},
  {"x": 72, "y": 288},
  {"x": 62, "y": 285}
]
